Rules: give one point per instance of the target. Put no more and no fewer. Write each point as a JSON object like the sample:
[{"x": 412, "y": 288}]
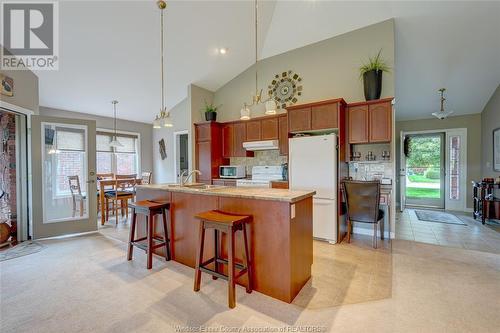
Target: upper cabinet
[
  {"x": 254, "y": 130},
  {"x": 269, "y": 128},
  {"x": 209, "y": 150},
  {"x": 283, "y": 134},
  {"x": 358, "y": 124},
  {"x": 370, "y": 122},
  {"x": 233, "y": 136},
  {"x": 227, "y": 140},
  {"x": 380, "y": 120},
  {"x": 299, "y": 119},
  {"x": 323, "y": 115}
]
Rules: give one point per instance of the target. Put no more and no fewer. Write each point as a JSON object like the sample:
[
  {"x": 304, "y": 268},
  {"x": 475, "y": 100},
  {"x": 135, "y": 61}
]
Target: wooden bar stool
[
  {"x": 149, "y": 209},
  {"x": 228, "y": 224}
]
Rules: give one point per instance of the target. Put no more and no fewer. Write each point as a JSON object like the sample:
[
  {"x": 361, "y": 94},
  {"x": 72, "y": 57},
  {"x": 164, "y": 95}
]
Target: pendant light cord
[
  {"x": 162, "y": 61},
  {"x": 256, "y": 69}
]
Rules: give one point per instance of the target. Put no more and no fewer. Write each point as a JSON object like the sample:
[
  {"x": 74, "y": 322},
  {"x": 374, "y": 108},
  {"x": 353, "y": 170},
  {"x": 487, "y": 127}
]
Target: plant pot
[
  {"x": 372, "y": 81},
  {"x": 210, "y": 116}
]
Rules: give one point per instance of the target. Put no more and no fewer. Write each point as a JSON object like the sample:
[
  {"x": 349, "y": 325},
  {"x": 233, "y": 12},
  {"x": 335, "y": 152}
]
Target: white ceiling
[{"x": 110, "y": 50}]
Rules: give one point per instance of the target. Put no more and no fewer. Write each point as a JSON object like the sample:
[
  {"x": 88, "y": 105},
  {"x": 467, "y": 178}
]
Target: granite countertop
[{"x": 237, "y": 192}]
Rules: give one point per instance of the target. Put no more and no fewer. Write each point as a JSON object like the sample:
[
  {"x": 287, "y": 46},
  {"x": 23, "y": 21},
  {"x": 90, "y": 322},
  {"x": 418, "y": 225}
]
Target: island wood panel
[
  {"x": 269, "y": 129},
  {"x": 278, "y": 269},
  {"x": 254, "y": 130},
  {"x": 324, "y": 116}
]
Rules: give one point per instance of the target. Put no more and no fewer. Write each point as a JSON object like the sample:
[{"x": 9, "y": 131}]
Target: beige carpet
[{"x": 84, "y": 284}]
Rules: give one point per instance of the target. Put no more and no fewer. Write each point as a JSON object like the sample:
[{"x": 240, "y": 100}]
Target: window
[{"x": 119, "y": 160}]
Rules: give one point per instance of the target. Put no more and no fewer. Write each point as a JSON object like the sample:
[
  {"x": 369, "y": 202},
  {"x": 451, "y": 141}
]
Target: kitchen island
[{"x": 280, "y": 233}]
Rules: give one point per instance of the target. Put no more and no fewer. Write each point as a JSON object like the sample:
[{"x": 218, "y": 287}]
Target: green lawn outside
[
  {"x": 422, "y": 179},
  {"x": 415, "y": 192}
]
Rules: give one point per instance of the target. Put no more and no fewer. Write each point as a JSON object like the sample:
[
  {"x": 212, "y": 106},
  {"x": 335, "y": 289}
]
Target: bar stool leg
[
  {"x": 248, "y": 263},
  {"x": 216, "y": 253},
  {"x": 132, "y": 235},
  {"x": 165, "y": 233},
  {"x": 230, "y": 268},
  {"x": 199, "y": 256},
  {"x": 150, "y": 241}
]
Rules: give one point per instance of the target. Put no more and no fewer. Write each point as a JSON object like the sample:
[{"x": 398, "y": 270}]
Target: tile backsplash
[
  {"x": 264, "y": 157},
  {"x": 370, "y": 170}
]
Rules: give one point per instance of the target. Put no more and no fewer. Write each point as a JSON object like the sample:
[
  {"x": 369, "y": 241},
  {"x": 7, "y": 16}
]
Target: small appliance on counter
[
  {"x": 284, "y": 171},
  {"x": 232, "y": 171},
  {"x": 262, "y": 176}
]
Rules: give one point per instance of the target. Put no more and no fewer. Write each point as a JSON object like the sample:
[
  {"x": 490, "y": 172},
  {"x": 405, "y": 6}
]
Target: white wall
[{"x": 163, "y": 170}]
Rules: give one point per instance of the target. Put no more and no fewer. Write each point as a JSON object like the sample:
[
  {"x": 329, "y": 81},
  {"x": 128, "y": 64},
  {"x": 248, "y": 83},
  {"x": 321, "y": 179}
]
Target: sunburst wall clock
[{"x": 285, "y": 89}]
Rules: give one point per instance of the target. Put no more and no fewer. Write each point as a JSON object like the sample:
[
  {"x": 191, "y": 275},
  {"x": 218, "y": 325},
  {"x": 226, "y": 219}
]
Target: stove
[{"x": 262, "y": 176}]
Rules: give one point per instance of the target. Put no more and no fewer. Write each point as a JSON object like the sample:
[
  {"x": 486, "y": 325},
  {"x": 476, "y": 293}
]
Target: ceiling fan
[{"x": 442, "y": 114}]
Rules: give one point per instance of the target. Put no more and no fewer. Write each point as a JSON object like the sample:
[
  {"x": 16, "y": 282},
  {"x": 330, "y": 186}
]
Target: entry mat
[
  {"x": 439, "y": 217},
  {"x": 22, "y": 249}
]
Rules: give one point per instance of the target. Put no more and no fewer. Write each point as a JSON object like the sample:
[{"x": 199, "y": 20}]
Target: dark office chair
[{"x": 363, "y": 200}]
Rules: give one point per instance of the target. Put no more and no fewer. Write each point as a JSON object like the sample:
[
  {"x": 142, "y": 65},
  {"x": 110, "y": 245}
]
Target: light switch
[{"x": 292, "y": 211}]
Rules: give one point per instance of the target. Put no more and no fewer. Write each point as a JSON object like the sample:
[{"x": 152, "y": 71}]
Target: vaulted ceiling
[{"x": 110, "y": 50}]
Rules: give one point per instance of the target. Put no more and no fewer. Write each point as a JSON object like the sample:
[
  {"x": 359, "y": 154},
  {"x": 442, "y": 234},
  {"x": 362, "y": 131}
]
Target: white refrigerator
[{"x": 312, "y": 165}]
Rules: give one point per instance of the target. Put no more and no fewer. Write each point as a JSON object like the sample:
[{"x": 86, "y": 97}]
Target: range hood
[{"x": 261, "y": 145}]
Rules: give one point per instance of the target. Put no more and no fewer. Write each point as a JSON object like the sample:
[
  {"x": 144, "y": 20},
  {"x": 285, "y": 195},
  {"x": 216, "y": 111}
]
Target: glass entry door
[
  {"x": 425, "y": 170},
  {"x": 63, "y": 168}
]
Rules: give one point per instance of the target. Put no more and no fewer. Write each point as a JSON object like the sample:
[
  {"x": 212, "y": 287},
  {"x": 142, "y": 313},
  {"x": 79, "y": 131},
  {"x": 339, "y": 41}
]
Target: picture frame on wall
[
  {"x": 163, "y": 150},
  {"x": 6, "y": 85},
  {"x": 496, "y": 149}
]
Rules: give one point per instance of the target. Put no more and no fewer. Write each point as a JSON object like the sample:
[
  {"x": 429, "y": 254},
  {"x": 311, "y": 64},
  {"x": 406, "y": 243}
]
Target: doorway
[
  {"x": 181, "y": 153},
  {"x": 425, "y": 172},
  {"x": 14, "y": 217},
  {"x": 433, "y": 169}
]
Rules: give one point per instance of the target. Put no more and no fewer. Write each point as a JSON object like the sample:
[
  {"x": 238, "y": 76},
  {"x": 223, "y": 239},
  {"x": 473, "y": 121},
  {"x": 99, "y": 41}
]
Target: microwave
[{"x": 232, "y": 171}]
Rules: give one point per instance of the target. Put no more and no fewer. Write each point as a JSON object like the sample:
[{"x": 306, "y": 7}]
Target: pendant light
[
  {"x": 270, "y": 104},
  {"x": 163, "y": 118},
  {"x": 115, "y": 143},
  {"x": 442, "y": 114}
]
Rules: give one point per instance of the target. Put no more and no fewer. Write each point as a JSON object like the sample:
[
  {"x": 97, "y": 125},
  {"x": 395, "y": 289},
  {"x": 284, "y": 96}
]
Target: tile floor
[{"x": 472, "y": 236}]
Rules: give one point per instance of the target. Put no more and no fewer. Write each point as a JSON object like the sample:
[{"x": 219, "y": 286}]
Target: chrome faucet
[{"x": 184, "y": 180}]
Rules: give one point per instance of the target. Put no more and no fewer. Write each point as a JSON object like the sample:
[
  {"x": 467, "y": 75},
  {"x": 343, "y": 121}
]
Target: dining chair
[
  {"x": 76, "y": 194},
  {"x": 103, "y": 176},
  {"x": 125, "y": 176},
  {"x": 146, "y": 177},
  {"x": 363, "y": 201},
  {"x": 124, "y": 190}
]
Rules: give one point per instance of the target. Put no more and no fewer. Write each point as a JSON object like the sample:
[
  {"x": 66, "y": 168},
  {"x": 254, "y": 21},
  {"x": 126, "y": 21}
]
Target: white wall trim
[{"x": 15, "y": 108}]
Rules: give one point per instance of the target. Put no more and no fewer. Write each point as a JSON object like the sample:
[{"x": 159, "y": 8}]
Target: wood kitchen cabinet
[
  {"x": 380, "y": 120},
  {"x": 254, "y": 130},
  {"x": 299, "y": 119},
  {"x": 283, "y": 134},
  {"x": 324, "y": 116},
  {"x": 358, "y": 124},
  {"x": 370, "y": 122},
  {"x": 208, "y": 151},
  {"x": 269, "y": 128},
  {"x": 227, "y": 141}
]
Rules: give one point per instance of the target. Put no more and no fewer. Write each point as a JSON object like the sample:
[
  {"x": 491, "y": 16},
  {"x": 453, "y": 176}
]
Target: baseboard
[{"x": 369, "y": 232}]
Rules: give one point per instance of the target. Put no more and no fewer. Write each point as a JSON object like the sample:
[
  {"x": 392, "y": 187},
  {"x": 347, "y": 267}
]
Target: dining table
[{"x": 115, "y": 183}]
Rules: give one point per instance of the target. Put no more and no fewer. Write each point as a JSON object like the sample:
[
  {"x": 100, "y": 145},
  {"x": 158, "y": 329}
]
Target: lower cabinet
[{"x": 279, "y": 184}]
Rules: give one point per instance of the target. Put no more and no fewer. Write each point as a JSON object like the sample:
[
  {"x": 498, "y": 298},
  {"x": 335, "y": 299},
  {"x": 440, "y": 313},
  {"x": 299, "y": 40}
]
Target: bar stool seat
[
  {"x": 226, "y": 223},
  {"x": 149, "y": 209}
]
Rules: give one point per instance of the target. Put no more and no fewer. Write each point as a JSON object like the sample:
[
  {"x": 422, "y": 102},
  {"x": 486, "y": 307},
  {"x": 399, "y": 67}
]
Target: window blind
[
  {"x": 102, "y": 142},
  {"x": 71, "y": 139}
]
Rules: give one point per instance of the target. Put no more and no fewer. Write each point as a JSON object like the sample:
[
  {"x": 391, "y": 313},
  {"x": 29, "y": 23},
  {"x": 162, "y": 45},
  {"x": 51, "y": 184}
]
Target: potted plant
[
  {"x": 210, "y": 111},
  {"x": 371, "y": 73}
]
